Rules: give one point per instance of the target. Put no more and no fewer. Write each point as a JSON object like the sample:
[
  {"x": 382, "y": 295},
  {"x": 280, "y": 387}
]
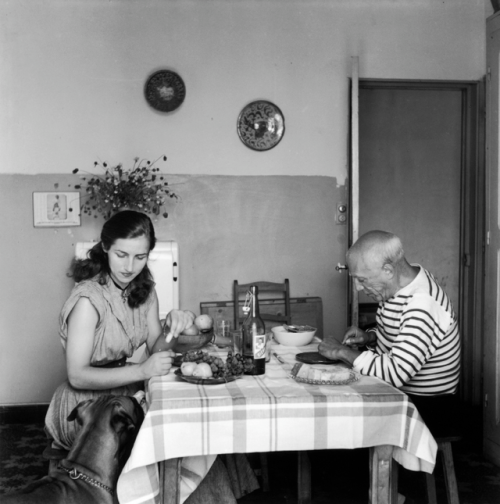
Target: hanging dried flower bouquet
[{"x": 142, "y": 188}]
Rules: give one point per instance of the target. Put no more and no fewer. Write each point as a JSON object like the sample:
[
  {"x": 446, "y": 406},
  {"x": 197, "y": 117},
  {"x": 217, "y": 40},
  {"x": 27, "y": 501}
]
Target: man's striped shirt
[{"x": 418, "y": 341}]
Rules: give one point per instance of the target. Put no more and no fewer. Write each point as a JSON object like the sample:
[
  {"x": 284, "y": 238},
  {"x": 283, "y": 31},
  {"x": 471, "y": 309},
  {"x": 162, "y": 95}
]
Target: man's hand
[
  {"x": 332, "y": 349},
  {"x": 356, "y": 337}
]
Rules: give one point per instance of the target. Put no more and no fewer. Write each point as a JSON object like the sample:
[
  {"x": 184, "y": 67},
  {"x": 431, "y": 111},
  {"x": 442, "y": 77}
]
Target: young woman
[{"x": 111, "y": 311}]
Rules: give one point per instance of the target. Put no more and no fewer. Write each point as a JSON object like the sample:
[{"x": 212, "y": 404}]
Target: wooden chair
[
  {"x": 282, "y": 289},
  {"x": 450, "y": 479}
]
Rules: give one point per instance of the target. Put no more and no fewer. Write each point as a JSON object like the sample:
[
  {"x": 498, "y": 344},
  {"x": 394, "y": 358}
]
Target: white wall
[
  {"x": 71, "y": 91},
  {"x": 73, "y": 72}
]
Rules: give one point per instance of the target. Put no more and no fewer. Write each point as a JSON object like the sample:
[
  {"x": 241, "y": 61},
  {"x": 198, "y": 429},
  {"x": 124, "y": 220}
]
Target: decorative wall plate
[
  {"x": 165, "y": 90},
  {"x": 261, "y": 125}
]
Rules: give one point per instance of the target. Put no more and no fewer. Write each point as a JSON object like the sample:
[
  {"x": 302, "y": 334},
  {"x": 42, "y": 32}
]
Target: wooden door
[
  {"x": 410, "y": 174},
  {"x": 418, "y": 178},
  {"x": 491, "y": 430}
]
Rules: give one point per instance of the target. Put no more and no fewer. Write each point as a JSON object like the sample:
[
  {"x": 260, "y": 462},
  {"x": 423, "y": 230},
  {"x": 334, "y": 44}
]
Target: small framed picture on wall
[{"x": 56, "y": 209}]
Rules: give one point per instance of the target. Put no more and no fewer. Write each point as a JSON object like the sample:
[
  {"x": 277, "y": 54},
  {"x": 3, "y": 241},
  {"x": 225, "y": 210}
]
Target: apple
[
  {"x": 204, "y": 321},
  {"x": 203, "y": 370},
  {"x": 187, "y": 368},
  {"x": 192, "y": 330}
]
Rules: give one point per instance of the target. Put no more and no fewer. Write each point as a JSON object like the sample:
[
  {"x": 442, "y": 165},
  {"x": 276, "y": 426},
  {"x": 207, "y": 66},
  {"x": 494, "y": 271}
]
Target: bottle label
[{"x": 259, "y": 346}]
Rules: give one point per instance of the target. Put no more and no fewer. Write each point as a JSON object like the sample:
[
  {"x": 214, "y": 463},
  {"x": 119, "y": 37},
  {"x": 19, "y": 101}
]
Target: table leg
[
  {"x": 382, "y": 490},
  {"x": 304, "y": 478},
  {"x": 170, "y": 481}
]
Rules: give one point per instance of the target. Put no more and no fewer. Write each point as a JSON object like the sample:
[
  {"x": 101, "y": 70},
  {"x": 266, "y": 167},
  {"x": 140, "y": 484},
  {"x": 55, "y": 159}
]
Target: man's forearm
[
  {"x": 348, "y": 355},
  {"x": 333, "y": 350}
]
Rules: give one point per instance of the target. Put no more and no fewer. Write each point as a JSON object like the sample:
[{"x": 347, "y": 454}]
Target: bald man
[{"x": 415, "y": 345}]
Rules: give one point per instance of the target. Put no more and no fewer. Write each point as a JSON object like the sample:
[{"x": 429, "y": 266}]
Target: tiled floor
[{"x": 339, "y": 476}]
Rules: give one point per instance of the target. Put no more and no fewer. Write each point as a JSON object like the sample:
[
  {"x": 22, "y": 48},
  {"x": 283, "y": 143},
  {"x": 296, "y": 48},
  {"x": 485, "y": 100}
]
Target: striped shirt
[{"x": 418, "y": 341}]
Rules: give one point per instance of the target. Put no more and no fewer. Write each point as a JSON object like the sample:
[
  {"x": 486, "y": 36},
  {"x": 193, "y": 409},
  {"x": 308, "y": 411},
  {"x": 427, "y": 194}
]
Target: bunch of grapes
[
  {"x": 234, "y": 364},
  {"x": 220, "y": 369}
]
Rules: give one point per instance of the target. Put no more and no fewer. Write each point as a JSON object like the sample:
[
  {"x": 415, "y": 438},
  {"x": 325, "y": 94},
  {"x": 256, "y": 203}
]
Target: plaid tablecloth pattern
[{"x": 271, "y": 412}]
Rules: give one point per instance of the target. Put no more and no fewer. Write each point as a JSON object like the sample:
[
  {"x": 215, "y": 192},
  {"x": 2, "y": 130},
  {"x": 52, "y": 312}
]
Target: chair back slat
[{"x": 264, "y": 286}]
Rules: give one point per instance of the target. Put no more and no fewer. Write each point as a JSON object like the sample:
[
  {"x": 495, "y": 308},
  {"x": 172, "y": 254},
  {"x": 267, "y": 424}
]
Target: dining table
[{"x": 260, "y": 414}]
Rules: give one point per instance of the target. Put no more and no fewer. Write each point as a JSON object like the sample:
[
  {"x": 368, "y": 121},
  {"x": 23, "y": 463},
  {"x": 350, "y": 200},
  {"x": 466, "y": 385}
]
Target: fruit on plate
[
  {"x": 187, "y": 368},
  {"x": 203, "y": 370},
  {"x": 192, "y": 330},
  {"x": 220, "y": 369},
  {"x": 204, "y": 322}
]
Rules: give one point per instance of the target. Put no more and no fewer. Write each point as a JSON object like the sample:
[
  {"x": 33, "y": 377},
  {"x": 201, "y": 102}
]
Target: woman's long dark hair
[{"x": 125, "y": 224}]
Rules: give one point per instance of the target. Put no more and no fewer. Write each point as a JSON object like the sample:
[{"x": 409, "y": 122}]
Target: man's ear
[{"x": 389, "y": 270}]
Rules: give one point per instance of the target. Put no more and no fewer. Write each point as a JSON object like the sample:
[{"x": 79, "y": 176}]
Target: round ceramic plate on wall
[
  {"x": 261, "y": 125},
  {"x": 164, "y": 90}
]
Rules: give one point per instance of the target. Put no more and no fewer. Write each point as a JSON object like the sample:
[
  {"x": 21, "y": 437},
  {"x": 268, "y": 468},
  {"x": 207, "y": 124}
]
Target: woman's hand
[
  {"x": 176, "y": 322},
  {"x": 356, "y": 337},
  {"x": 158, "y": 364}
]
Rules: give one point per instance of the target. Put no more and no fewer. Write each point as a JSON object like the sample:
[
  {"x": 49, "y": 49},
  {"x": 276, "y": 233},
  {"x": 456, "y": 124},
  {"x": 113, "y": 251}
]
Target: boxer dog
[{"x": 88, "y": 475}]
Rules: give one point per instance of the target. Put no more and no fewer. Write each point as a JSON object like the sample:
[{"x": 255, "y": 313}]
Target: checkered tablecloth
[{"x": 271, "y": 412}]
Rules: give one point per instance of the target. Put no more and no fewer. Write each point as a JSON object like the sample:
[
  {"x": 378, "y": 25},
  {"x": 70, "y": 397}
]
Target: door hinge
[
  {"x": 488, "y": 74},
  {"x": 485, "y": 400}
]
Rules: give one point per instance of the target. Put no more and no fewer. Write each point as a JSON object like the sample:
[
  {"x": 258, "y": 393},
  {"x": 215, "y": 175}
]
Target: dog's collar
[{"x": 76, "y": 474}]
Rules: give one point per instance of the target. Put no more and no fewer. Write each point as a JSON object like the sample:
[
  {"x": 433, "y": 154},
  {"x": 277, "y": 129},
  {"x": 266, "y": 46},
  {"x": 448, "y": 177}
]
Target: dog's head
[{"x": 108, "y": 420}]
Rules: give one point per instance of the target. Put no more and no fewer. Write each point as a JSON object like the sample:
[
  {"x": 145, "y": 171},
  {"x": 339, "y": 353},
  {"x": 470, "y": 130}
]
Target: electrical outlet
[{"x": 341, "y": 215}]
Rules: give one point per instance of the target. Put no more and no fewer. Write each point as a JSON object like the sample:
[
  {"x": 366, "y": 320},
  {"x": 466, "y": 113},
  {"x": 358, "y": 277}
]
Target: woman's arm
[
  {"x": 82, "y": 323},
  {"x": 175, "y": 323},
  {"x": 154, "y": 328}
]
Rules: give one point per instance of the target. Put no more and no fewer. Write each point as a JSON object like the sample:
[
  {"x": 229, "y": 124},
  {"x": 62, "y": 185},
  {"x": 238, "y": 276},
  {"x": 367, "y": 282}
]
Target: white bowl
[{"x": 283, "y": 337}]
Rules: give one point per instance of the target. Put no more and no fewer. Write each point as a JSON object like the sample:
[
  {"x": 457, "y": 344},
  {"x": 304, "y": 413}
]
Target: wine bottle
[{"x": 254, "y": 338}]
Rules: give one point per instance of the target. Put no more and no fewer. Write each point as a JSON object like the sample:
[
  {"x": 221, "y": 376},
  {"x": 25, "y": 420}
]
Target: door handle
[{"x": 341, "y": 267}]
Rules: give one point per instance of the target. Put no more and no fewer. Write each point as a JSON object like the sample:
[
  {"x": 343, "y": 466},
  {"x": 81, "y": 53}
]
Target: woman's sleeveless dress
[{"x": 119, "y": 333}]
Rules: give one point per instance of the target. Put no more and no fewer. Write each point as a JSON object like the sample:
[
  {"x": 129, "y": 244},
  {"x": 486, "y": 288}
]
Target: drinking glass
[
  {"x": 222, "y": 328},
  {"x": 237, "y": 339}
]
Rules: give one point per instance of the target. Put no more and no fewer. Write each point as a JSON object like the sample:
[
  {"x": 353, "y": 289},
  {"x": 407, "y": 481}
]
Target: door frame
[
  {"x": 472, "y": 220},
  {"x": 491, "y": 407}
]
